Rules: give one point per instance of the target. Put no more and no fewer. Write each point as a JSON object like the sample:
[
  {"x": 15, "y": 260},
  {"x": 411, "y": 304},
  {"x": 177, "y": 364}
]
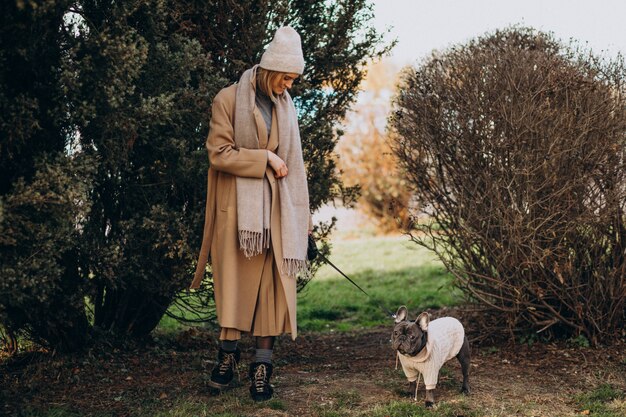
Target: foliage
[
  {"x": 516, "y": 146},
  {"x": 43, "y": 189},
  {"x": 367, "y": 162},
  {"x": 154, "y": 91},
  {"x": 105, "y": 107},
  {"x": 365, "y": 157},
  {"x": 385, "y": 195}
]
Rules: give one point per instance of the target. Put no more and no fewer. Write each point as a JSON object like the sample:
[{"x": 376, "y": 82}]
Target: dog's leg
[
  {"x": 430, "y": 398},
  {"x": 412, "y": 388},
  {"x": 464, "y": 359}
]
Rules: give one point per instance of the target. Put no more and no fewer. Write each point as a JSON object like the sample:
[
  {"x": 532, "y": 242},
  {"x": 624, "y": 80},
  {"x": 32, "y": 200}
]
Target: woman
[{"x": 257, "y": 212}]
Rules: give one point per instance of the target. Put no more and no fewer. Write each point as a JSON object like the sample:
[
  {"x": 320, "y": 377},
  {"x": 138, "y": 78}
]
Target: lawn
[{"x": 393, "y": 270}]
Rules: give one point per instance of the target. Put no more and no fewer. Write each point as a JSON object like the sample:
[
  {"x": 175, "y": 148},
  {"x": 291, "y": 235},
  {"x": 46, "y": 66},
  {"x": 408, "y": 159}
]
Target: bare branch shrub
[{"x": 515, "y": 144}]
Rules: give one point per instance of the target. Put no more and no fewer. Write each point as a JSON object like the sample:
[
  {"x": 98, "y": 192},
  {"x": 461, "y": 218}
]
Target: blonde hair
[{"x": 264, "y": 79}]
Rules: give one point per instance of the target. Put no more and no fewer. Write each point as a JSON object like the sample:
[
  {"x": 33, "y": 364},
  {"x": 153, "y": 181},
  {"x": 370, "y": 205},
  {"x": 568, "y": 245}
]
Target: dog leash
[{"x": 326, "y": 260}]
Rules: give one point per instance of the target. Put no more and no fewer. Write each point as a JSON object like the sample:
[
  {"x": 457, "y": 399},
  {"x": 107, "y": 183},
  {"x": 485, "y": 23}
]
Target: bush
[
  {"x": 516, "y": 146},
  {"x": 39, "y": 270},
  {"x": 143, "y": 93},
  {"x": 43, "y": 189}
]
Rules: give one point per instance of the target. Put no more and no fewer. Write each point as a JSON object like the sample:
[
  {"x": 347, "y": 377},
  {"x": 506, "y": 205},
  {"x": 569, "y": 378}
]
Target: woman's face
[{"x": 282, "y": 82}]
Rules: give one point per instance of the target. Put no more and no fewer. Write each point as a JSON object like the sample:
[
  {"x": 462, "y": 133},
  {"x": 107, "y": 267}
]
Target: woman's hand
[{"x": 277, "y": 164}]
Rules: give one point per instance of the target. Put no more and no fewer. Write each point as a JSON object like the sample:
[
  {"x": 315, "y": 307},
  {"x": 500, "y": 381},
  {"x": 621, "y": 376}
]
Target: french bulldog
[{"x": 423, "y": 346}]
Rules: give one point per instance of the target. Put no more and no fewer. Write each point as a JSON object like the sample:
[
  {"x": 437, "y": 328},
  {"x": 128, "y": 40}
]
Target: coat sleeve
[{"x": 223, "y": 154}]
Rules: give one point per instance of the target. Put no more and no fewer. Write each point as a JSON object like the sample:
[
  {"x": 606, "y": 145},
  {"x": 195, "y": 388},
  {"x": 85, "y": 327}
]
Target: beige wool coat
[{"x": 236, "y": 278}]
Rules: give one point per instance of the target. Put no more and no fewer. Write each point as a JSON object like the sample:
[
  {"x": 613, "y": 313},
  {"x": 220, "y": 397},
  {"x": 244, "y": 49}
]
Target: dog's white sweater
[{"x": 445, "y": 339}]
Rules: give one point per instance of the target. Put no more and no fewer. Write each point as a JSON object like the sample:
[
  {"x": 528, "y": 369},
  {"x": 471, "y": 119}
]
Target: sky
[{"x": 423, "y": 25}]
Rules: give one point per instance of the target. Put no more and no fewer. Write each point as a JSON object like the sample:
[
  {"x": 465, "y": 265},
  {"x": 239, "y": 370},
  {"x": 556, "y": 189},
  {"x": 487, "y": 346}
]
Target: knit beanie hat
[{"x": 284, "y": 52}]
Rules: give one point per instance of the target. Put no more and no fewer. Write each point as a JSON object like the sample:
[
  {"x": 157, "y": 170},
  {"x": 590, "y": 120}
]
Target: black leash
[{"x": 325, "y": 259}]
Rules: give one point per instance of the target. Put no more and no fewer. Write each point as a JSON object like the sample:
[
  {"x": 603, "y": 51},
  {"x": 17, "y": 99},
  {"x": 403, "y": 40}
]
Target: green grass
[
  {"x": 394, "y": 271},
  {"x": 170, "y": 325},
  {"x": 342, "y": 405},
  {"x": 603, "y": 401},
  {"x": 417, "y": 409}
]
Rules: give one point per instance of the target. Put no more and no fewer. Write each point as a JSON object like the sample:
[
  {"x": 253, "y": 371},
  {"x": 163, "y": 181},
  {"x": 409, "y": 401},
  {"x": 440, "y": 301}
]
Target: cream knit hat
[{"x": 284, "y": 52}]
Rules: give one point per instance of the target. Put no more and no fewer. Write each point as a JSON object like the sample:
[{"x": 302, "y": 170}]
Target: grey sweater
[{"x": 265, "y": 105}]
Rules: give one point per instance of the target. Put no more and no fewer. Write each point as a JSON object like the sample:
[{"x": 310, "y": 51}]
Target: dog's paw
[{"x": 410, "y": 392}]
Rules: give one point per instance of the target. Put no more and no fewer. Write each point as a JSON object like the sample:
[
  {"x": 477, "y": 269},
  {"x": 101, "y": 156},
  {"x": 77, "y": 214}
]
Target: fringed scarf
[{"x": 254, "y": 194}]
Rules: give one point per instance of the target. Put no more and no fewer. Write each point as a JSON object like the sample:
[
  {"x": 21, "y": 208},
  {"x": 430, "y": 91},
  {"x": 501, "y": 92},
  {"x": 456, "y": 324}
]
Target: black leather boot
[
  {"x": 260, "y": 374},
  {"x": 224, "y": 371}
]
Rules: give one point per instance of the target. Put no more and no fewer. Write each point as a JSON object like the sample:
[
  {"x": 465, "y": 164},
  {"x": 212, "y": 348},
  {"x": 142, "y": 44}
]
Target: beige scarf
[{"x": 254, "y": 194}]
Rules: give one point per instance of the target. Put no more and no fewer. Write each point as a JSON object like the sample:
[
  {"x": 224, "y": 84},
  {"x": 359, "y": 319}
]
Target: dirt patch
[{"x": 348, "y": 374}]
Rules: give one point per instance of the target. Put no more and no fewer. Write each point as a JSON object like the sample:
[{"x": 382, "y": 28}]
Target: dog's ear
[
  {"x": 422, "y": 320},
  {"x": 401, "y": 314}
]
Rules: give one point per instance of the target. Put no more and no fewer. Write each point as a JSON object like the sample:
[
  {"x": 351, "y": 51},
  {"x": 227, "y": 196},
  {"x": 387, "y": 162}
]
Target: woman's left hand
[{"x": 277, "y": 164}]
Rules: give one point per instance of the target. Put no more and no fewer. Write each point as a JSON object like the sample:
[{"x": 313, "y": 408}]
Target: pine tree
[
  {"x": 43, "y": 188},
  {"x": 153, "y": 91}
]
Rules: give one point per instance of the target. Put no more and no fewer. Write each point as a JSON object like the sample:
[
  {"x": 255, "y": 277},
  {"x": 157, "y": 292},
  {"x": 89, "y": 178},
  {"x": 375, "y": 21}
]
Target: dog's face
[{"x": 409, "y": 337}]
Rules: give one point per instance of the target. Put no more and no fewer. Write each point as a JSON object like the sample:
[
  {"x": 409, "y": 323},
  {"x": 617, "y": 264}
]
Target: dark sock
[
  {"x": 264, "y": 355},
  {"x": 229, "y": 345}
]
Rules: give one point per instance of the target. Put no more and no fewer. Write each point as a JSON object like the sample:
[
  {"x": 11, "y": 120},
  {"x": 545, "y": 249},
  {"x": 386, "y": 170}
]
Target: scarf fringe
[
  {"x": 294, "y": 267},
  {"x": 253, "y": 243}
]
